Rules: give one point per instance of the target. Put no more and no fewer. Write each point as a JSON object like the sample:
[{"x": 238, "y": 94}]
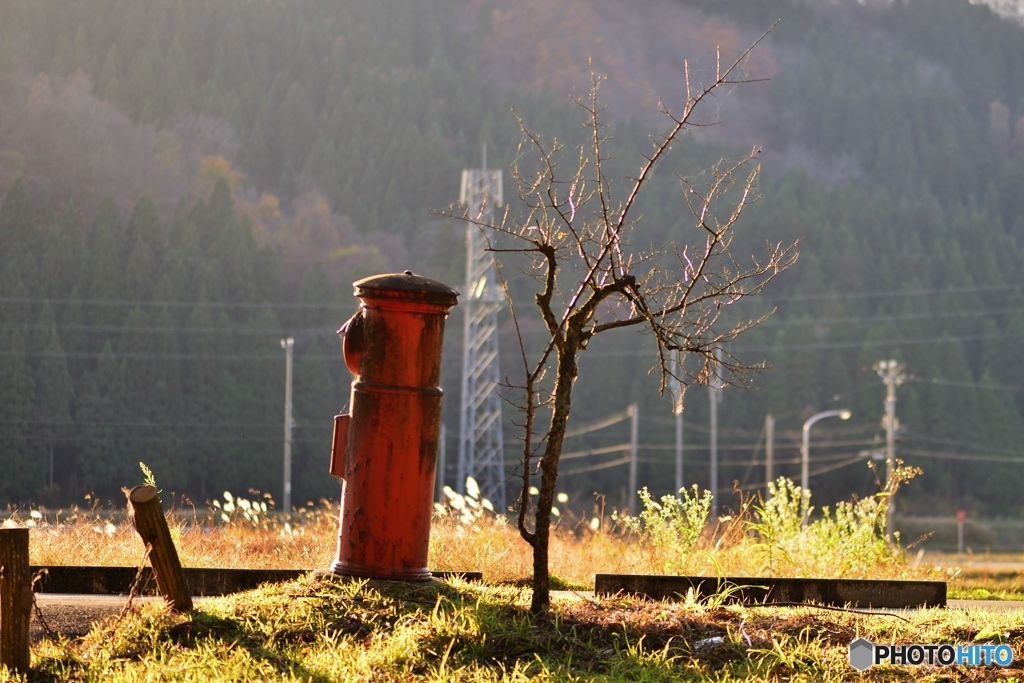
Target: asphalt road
[{"x": 73, "y": 615}]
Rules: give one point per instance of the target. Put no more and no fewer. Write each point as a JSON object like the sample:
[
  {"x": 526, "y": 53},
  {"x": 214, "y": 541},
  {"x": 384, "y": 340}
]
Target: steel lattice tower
[{"x": 481, "y": 452}]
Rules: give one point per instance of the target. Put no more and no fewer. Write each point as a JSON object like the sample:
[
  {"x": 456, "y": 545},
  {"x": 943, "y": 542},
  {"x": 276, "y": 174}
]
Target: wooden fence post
[
  {"x": 148, "y": 517},
  {"x": 15, "y": 599}
]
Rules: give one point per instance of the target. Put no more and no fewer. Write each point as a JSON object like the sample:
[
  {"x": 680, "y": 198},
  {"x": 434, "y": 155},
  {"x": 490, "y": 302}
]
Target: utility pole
[
  {"x": 441, "y": 452},
  {"x": 715, "y": 397},
  {"x": 769, "y": 453},
  {"x": 677, "y": 408},
  {"x": 481, "y": 449},
  {"x": 286, "y": 502},
  {"x": 892, "y": 374},
  {"x": 634, "y": 432},
  {"x": 679, "y": 452}
]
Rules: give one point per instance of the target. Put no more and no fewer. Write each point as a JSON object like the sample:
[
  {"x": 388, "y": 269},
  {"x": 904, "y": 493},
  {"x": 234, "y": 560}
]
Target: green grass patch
[
  {"x": 973, "y": 585},
  {"x": 356, "y": 630},
  {"x": 970, "y": 592}
]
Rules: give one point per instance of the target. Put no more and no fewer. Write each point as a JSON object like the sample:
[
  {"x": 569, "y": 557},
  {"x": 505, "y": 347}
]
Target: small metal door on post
[{"x": 385, "y": 449}]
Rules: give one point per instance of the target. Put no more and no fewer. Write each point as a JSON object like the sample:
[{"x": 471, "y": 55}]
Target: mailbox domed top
[{"x": 407, "y": 286}]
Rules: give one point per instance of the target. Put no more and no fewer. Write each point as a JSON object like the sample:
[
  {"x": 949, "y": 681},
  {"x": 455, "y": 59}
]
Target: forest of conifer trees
[
  {"x": 152, "y": 343},
  {"x": 185, "y": 183}
]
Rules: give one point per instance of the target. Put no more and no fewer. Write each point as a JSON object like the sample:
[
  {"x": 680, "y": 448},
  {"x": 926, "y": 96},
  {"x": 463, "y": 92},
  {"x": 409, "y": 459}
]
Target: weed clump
[
  {"x": 773, "y": 537},
  {"x": 673, "y": 526}
]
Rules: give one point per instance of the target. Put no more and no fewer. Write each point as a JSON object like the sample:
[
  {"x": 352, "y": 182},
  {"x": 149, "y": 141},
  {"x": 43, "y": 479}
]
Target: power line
[
  {"x": 307, "y": 332},
  {"x": 794, "y": 444},
  {"x": 164, "y": 356},
  {"x": 950, "y": 442},
  {"x": 970, "y": 457},
  {"x": 125, "y": 303},
  {"x": 182, "y": 440},
  {"x": 969, "y": 385},
  {"x": 760, "y": 461},
  {"x": 594, "y": 451},
  {"x": 758, "y": 433},
  {"x": 880, "y": 342},
  {"x": 599, "y": 466},
  {"x": 698, "y": 427},
  {"x": 775, "y": 321},
  {"x": 180, "y": 331},
  {"x": 130, "y": 303},
  {"x": 122, "y": 423},
  {"x": 608, "y": 421},
  {"x": 944, "y": 339},
  {"x": 886, "y": 293},
  {"x": 813, "y": 473}
]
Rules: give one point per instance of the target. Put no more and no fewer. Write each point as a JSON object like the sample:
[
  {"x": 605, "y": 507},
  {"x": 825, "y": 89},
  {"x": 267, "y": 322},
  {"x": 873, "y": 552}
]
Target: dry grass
[
  {"x": 308, "y": 540},
  {"x": 352, "y": 630},
  {"x": 240, "y": 533},
  {"x": 241, "y": 537},
  {"x": 495, "y": 548}
]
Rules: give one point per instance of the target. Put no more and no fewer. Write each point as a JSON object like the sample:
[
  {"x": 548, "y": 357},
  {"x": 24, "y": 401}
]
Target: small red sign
[{"x": 961, "y": 515}]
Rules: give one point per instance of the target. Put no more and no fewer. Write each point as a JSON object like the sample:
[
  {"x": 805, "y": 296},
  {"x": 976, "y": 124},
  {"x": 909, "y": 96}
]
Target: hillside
[{"x": 893, "y": 138}]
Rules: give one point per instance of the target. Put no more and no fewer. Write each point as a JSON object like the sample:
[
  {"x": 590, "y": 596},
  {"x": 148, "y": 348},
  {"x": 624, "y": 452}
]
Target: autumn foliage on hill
[{"x": 543, "y": 46}]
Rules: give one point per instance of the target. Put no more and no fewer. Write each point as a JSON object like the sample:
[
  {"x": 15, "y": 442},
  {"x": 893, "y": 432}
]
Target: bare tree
[{"x": 591, "y": 279}]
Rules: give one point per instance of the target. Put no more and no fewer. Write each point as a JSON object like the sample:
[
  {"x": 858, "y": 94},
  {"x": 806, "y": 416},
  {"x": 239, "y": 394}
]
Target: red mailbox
[{"x": 385, "y": 450}]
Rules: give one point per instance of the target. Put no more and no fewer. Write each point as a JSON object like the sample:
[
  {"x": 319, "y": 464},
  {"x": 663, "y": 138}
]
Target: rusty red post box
[{"x": 385, "y": 449}]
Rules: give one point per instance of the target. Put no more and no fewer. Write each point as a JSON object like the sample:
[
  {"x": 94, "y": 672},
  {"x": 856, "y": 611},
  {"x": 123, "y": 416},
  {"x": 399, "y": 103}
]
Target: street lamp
[{"x": 805, "y": 449}]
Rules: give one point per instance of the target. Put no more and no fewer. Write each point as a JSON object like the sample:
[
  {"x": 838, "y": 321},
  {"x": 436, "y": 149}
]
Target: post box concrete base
[{"x": 386, "y": 573}]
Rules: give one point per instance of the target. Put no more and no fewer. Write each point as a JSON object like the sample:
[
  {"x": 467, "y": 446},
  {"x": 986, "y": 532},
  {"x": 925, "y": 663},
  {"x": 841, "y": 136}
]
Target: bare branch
[
  {"x": 529, "y": 408},
  {"x": 574, "y": 240}
]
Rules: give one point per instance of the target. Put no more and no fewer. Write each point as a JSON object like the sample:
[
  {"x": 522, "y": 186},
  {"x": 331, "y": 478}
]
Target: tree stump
[
  {"x": 148, "y": 517},
  {"x": 15, "y": 599}
]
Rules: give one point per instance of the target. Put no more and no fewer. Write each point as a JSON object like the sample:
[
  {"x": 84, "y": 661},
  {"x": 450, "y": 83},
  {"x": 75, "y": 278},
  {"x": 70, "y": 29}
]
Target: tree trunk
[{"x": 566, "y": 376}]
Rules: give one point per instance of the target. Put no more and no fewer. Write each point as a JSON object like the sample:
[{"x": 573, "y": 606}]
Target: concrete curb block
[
  {"x": 755, "y": 590},
  {"x": 201, "y": 581}
]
